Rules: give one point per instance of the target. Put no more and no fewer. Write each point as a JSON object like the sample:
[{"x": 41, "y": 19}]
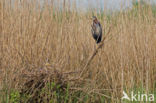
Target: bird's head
[{"x": 94, "y": 19}]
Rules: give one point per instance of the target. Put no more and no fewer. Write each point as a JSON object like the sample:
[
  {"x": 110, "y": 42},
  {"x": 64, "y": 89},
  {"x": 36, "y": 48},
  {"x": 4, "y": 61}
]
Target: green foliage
[
  {"x": 136, "y": 3},
  {"x": 138, "y": 91},
  {"x": 154, "y": 10},
  {"x": 4, "y": 94},
  {"x": 15, "y": 97},
  {"x": 55, "y": 93}
]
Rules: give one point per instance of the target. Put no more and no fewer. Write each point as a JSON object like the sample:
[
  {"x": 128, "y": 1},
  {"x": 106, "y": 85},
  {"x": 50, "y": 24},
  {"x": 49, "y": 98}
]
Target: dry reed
[{"x": 33, "y": 36}]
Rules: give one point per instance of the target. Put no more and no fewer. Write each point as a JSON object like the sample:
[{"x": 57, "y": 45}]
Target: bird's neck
[{"x": 95, "y": 21}]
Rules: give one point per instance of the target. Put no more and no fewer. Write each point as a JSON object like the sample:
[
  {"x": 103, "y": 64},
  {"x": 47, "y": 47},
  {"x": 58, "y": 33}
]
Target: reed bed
[{"x": 37, "y": 38}]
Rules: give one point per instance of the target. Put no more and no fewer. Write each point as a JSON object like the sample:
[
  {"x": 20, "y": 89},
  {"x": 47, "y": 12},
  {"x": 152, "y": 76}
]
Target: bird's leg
[{"x": 94, "y": 47}]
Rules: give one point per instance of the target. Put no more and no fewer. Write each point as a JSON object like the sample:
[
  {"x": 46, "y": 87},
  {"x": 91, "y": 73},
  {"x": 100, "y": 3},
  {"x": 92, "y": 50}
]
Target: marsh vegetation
[{"x": 43, "y": 52}]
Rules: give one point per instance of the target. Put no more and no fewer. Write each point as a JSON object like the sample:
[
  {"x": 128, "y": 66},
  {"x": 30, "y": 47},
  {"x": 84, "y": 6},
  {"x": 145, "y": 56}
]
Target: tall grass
[{"x": 33, "y": 36}]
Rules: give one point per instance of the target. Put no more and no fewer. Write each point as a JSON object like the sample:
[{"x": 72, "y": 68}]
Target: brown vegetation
[{"x": 43, "y": 39}]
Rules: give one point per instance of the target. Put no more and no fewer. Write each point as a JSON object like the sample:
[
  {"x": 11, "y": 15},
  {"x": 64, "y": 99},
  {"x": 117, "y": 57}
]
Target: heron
[{"x": 96, "y": 30}]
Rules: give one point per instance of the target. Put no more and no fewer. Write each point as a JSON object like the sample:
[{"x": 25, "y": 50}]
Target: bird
[{"x": 96, "y": 30}]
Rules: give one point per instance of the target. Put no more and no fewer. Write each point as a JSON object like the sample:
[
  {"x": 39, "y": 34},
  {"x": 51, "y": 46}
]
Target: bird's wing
[
  {"x": 99, "y": 31},
  {"x": 93, "y": 29}
]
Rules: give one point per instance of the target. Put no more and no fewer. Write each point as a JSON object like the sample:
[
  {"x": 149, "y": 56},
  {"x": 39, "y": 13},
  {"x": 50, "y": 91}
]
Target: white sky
[
  {"x": 106, "y": 4},
  {"x": 97, "y": 4},
  {"x": 109, "y": 4}
]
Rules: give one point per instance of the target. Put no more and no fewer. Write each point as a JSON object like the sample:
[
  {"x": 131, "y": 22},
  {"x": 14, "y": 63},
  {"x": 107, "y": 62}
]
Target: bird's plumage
[{"x": 96, "y": 30}]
